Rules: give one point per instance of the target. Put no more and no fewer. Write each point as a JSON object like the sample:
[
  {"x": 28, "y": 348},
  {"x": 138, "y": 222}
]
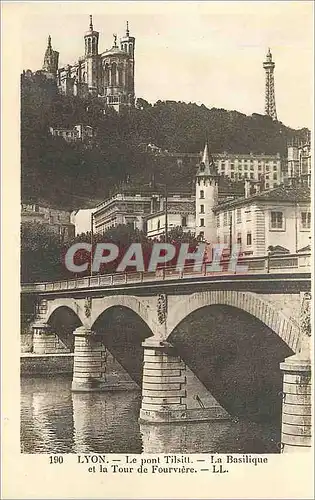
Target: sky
[{"x": 210, "y": 53}]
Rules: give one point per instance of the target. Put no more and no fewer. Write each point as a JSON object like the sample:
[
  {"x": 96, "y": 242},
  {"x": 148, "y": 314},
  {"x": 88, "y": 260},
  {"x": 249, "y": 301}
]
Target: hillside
[{"x": 78, "y": 175}]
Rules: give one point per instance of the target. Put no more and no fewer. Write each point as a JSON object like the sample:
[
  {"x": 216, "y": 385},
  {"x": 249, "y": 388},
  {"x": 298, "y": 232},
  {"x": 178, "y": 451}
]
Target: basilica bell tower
[{"x": 91, "y": 58}]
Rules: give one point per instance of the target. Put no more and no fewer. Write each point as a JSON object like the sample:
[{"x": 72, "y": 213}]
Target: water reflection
[
  {"x": 209, "y": 437},
  {"x": 46, "y": 415},
  {"x": 54, "y": 420},
  {"x": 178, "y": 438},
  {"x": 106, "y": 422}
]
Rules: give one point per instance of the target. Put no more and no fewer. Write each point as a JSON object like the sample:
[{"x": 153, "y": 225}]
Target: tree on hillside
[
  {"x": 41, "y": 256},
  {"x": 54, "y": 170}
]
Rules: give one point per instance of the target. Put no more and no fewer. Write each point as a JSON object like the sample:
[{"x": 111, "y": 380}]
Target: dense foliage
[
  {"x": 43, "y": 252},
  {"x": 79, "y": 174},
  {"x": 40, "y": 253}
]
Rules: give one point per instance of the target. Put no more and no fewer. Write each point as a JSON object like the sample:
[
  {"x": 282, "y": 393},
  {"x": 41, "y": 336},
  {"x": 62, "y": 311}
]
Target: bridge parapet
[{"x": 295, "y": 263}]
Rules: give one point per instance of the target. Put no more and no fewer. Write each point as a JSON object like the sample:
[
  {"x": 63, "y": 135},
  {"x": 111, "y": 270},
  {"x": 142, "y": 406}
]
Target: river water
[{"x": 55, "y": 420}]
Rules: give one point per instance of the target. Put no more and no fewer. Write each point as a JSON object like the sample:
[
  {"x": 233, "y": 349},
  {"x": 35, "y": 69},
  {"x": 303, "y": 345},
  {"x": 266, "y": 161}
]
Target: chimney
[{"x": 247, "y": 187}]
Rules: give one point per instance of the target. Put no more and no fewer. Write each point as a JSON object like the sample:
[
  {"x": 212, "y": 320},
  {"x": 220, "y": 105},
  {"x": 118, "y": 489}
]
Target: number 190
[{"x": 56, "y": 459}]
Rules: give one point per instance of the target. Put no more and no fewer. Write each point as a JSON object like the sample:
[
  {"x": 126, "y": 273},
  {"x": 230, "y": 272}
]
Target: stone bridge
[
  {"x": 269, "y": 302},
  {"x": 162, "y": 312}
]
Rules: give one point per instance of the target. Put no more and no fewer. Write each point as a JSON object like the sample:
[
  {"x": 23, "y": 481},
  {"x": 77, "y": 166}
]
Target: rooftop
[{"x": 290, "y": 193}]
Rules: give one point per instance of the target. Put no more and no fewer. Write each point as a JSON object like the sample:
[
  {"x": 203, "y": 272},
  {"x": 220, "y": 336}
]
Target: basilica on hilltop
[{"x": 109, "y": 74}]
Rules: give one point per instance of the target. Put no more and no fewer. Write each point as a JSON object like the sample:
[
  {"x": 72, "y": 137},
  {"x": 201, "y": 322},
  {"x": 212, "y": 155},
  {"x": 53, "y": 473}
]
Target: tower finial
[
  {"x": 115, "y": 39},
  {"x": 91, "y": 23},
  {"x": 127, "y": 28},
  {"x": 49, "y": 41}
]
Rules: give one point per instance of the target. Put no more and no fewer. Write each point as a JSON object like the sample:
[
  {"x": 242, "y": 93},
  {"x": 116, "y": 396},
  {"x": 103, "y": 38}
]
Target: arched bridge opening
[
  {"x": 122, "y": 331},
  {"x": 236, "y": 357},
  {"x": 63, "y": 321}
]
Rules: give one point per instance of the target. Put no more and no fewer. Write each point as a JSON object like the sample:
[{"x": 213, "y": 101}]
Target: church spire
[
  {"x": 50, "y": 59},
  {"x": 207, "y": 166},
  {"x": 127, "y": 28},
  {"x": 205, "y": 156}
]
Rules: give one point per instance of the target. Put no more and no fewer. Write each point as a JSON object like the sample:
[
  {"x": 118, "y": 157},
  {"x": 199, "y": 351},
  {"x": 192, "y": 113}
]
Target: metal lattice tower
[{"x": 270, "y": 100}]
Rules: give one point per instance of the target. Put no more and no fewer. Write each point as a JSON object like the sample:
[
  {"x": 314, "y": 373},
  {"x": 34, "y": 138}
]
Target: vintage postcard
[{"x": 157, "y": 249}]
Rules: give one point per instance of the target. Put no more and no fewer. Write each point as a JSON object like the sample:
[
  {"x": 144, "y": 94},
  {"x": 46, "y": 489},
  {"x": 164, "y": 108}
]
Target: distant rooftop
[{"x": 290, "y": 193}]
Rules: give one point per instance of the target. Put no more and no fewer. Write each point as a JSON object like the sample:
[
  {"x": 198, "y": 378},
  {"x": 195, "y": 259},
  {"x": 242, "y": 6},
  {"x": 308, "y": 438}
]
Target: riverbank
[{"x": 46, "y": 364}]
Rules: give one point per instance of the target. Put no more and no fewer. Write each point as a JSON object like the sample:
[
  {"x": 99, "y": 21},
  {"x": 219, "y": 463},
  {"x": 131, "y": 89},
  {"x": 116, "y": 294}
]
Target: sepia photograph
[{"x": 165, "y": 230}]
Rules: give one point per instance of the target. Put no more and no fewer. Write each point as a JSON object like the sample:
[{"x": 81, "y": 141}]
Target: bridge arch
[
  {"x": 63, "y": 320},
  {"x": 122, "y": 330},
  {"x": 65, "y": 303},
  {"x": 249, "y": 302},
  {"x": 141, "y": 307}
]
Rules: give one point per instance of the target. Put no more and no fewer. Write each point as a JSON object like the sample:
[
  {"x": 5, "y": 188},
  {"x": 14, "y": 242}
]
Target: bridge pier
[
  {"x": 296, "y": 435},
  {"x": 164, "y": 381},
  {"x": 46, "y": 342},
  {"x": 91, "y": 372},
  {"x": 89, "y": 361},
  {"x": 170, "y": 390},
  {"x": 296, "y": 410}
]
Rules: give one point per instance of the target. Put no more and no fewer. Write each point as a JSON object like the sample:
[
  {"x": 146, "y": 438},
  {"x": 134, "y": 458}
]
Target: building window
[
  {"x": 225, "y": 219},
  {"x": 252, "y": 175},
  {"x": 232, "y": 175},
  {"x": 259, "y": 167},
  {"x": 184, "y": 221},
  {"x": 202, "y": 209},
  {"x": 239, "y": 215},
  {"x": 277, "y": 221},
  {"x": 202, "y": 194},
  {"x": 249, "y": 239},
  {"x": 267, "y": 176},
  {"x": 306, "y": 220},
  {"x": 248, "y": 213},
  {"x": 267, "y": 168},
  {"x": 218, "y": 220},
  {"x": 275, "y": 177},
  {"x": 239, "y": 239},
  {"x": 202, "y": 222},
  {"x": 201, "y": 235},
  {"x": 275, "y": 167},
  {"x": 267, "y": 185},
  {"x": 158, "y": 224},
  {"x": 245, "y": 167},
  {"x": 246, "y": 175}
]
